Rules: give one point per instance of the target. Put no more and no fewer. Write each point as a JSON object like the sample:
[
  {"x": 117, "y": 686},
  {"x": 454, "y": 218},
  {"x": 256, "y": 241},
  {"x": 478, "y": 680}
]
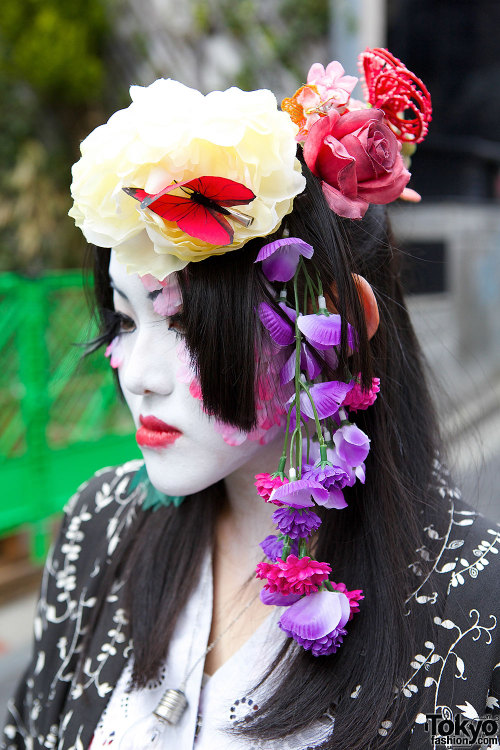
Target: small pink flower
[
  {"x": 354, "y": 596},
  {"x": 333, "y": 85},
  {"x": 358, "y": 398},
  {"x": 266, "y": 484},
  {"x": 295, "y": 575}
]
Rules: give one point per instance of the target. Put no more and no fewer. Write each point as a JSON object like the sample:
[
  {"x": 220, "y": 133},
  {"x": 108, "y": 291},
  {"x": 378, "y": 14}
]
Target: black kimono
[{"x": 456, "y": 669}]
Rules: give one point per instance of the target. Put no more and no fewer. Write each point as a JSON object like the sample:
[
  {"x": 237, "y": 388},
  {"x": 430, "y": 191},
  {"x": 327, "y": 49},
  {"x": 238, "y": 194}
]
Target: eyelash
[{"x": 116, "y": 322}]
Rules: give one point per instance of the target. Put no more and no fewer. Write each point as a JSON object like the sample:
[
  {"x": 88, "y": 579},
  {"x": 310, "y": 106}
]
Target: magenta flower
[
  {"x": 298, "y": 494},
  {"x": 317, "y": 621},
  {"x": 266, "y": 483},
  {"x": 352, "y": 444},
  {"x": 297, "y": 523},
  {"x": 358, "y": 398},
  {"x": 295, "y": 575},
  {"x": 280, "y": 258},
  {"x": 354, "y": 597},
  {"x": 324, "y": 331}
]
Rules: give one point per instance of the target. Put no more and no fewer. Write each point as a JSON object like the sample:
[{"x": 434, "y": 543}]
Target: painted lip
[{"x": 154, "y": 433}]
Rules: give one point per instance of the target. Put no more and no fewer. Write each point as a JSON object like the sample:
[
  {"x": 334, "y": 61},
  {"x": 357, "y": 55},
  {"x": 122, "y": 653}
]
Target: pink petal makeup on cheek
[
  {"x": 115, "y": 353},
  {"x": 169, "y": 300}
]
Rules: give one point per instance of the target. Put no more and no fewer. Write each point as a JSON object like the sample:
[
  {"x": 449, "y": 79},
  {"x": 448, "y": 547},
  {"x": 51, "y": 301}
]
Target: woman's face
[{"x": 184, "y": 450}]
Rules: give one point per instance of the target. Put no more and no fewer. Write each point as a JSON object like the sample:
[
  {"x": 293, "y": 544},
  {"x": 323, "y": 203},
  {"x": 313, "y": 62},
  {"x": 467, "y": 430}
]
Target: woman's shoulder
[
  {"x": 456, "y": 670},
  {"x": 96, "y": 516}
]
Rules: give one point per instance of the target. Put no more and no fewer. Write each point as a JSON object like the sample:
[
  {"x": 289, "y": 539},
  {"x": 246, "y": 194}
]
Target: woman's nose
[{"x": 150, "y": 362}]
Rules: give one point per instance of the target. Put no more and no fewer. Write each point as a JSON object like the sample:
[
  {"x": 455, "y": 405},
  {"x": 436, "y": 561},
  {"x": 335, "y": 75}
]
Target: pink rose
[{"x": 358, "y": 159}]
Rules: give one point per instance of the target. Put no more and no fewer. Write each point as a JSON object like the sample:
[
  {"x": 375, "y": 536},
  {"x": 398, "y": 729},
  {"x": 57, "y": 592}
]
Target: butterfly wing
[
  {"x": 194, "y": 219},
  {"x": 206, "y": 224},
  {"x": 197, "y": 220},
  {"x": 221, "y": 190}
]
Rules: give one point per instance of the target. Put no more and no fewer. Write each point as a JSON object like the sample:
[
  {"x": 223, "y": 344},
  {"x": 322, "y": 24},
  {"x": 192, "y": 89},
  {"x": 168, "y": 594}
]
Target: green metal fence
[{"x": 60, "y": 418}]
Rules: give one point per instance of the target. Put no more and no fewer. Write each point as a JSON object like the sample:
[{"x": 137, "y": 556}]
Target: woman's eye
[
  {"x": 175, "y": 324},
  {"x": 125, "y": 324}
]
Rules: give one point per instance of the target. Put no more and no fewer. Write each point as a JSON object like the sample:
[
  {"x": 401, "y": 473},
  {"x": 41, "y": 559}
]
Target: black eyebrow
[
  {"x": 113, "y": 286},
  {"x": 151, "y": 295}
]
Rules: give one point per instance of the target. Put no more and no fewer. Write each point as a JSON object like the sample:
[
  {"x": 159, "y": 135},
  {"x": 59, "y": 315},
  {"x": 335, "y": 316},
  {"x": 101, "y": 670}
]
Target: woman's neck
[{"x": 247, "y": 519}]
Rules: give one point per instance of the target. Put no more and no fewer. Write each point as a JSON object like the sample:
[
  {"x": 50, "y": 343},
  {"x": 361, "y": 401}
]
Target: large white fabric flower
[{"x": 172, "y": 132}]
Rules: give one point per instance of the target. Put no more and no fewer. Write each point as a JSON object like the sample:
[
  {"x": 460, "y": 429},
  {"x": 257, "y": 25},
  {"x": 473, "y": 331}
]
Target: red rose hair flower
[
  {"x": 295, "y": 575},
  {"x": 389, "y": 85}
]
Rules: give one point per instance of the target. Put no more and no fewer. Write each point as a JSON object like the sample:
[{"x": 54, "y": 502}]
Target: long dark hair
[{"x": 370, "y": 544}]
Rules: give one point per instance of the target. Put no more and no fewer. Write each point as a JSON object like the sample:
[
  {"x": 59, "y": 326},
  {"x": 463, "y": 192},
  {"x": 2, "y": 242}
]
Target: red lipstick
[{"x": 154, "y": 433}]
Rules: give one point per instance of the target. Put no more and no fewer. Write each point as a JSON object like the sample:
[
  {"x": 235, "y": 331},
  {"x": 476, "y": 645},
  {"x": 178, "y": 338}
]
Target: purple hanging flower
[
  {"x": 296, "y": 523},
  {"x": 308, "y": 362},
  {"x": 280, "y": 331},
  {"x": 298, "y": 494},
  {"x": 279, "y": 600},
  {"x": 334, "y": 479},
  {"x": 327, "y": 398},
  {"x": 352, "y": 444},
  {"x": 272, "y": 546},
  {"x": 324, "y": 331},
  {"x": 280, "y": 258},
  {"x": 317, "y": 621}
]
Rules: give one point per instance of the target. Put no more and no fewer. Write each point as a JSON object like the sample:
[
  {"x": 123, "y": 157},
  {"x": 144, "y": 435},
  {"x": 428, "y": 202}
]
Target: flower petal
[
  {"x": 335, "y": 499},
  {"x": 298, "y": 494},
  {"x": 316, "y": 615},
  {"x": 326, "y": 396},
  {"x": 324, "y": 331},
  {"x": 280, "y": 331},
  {"x": 280, "y": 258},
  {"x": 279, "y": 600}
]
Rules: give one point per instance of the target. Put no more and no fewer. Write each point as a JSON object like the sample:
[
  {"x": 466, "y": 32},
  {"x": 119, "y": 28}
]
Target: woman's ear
[{"x": 370, "y": 307}]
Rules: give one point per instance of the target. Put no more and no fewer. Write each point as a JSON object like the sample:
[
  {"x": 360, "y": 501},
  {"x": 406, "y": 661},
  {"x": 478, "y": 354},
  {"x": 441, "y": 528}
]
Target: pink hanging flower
[
  {"x": 294, "y": 575},
  {"x": 266, "y": 483},
  {"x": 354, "y": 596},
  {"x": 358, "y": 398}
]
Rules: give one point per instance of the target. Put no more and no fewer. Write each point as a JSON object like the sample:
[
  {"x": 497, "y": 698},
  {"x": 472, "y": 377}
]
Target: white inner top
[{"x": 214, "y": 702}]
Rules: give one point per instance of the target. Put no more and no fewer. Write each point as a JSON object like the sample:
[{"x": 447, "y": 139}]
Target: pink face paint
[
  {"x": 269, "y": 404},
  {"x": 114, "y": 352},
  {"x": 169, "y": 301}
]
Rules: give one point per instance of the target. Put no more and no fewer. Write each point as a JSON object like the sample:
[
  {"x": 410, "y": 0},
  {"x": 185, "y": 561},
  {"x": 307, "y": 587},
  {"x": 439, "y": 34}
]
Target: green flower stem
[
  {"x": 287, "y": 546},
  {"x": 312, "y": 289},
  {"x": 328, "y": 586},
  {"x": 287, "y": 433},
  {"x": 316, "y": 418},
  {"x": 298, "y": 338},
  {"x": 320, "y": 285},
  {"x": 303, "y": 548}
]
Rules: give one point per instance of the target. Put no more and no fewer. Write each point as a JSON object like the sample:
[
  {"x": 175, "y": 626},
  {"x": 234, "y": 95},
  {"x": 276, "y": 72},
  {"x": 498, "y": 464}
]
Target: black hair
[{"x": 370, "y": 544}]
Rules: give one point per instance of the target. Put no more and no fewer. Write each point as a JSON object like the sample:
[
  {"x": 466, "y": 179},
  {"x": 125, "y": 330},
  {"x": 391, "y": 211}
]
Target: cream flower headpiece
[{"x": 172, "y": 133}]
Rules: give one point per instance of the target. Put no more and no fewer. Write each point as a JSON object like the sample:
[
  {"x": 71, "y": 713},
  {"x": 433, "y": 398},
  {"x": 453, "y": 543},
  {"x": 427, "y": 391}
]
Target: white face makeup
[{"x": 188, "y": 453}]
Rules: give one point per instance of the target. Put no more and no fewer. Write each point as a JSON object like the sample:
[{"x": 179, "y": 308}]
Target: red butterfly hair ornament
[
  {"x": 201, "y": 211},
  {"x": 391, "y": 87}
]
